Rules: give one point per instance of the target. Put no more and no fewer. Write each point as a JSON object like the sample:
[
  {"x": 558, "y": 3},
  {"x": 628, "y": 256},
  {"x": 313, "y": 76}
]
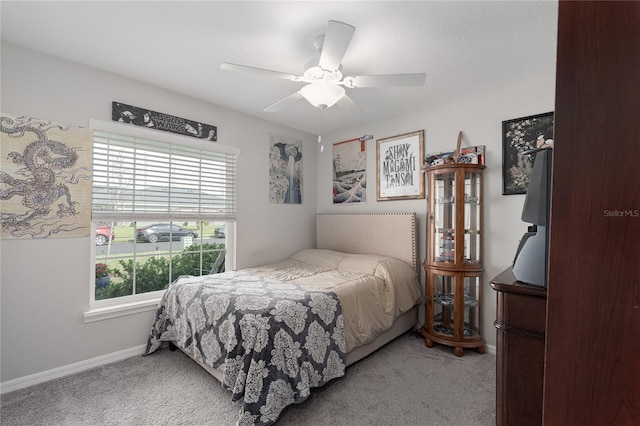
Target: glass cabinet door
[
  {"x": 444, "y": 291},
  {"x": 471, "y": 307},
  {"x": 444, "y": 216},
  {"x": 472, "y": 204}
]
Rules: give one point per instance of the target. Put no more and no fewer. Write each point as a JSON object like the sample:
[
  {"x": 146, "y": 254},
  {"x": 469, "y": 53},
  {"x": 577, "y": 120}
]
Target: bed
[{"x": 270, "y": 334}]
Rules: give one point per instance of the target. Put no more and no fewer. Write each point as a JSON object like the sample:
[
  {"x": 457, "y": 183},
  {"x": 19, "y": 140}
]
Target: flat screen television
[{"x": 531, "y": 261}]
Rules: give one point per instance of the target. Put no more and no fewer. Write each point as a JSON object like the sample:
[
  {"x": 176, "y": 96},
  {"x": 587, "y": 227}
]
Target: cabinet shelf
[
  {"x": 448, "y": 299},
  {"x": 440, "y": 327}
]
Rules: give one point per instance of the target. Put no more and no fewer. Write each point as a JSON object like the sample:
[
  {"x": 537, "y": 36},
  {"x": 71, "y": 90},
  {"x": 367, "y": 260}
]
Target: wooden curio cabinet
[{"x": 454, "y": 257}]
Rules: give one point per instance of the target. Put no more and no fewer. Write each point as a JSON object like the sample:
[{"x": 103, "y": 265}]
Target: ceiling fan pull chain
[{"x": 320, "y": 129}]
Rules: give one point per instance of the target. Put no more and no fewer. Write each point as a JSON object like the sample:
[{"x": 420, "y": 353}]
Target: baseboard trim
[
  {"x": 66, "y": 370},
  {"x": 77, "y": 367},
  {"x": 491, "y": 349}
]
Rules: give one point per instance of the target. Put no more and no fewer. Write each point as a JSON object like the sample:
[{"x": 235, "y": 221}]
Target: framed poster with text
[{"x": 399, "y": 159}]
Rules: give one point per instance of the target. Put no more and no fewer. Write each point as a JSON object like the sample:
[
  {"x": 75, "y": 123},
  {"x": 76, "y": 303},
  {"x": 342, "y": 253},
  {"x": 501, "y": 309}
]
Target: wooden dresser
[{"x": 521, "y": 324}]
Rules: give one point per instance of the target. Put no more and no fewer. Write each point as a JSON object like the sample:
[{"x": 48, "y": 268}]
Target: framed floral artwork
[{"x": 519, "y": 136}]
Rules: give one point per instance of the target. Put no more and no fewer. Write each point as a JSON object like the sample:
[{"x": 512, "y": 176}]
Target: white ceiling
[{"x": 463, "y": 47}]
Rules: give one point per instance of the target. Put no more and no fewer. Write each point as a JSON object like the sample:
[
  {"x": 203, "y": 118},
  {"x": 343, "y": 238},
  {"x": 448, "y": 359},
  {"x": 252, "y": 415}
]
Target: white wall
[
  {"x": 44, "y": 283},
  {"x": 480, "y": 118}
]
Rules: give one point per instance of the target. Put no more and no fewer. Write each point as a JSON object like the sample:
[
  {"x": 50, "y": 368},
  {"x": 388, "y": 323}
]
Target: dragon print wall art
[{"x": 45, "y": 181}]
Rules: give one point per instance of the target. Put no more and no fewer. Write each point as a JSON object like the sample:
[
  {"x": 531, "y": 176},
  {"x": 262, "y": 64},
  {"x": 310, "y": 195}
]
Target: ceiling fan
[{"x": 325, "y": 82}]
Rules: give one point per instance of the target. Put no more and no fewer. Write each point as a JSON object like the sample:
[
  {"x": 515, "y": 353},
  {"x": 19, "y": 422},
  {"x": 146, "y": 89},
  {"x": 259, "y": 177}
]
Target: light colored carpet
[{"x": 403, "y": 383}]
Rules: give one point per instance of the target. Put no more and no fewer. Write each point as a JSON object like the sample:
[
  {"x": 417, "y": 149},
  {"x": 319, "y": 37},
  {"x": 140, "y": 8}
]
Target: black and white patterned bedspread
[{"x": 272, "y": 340}]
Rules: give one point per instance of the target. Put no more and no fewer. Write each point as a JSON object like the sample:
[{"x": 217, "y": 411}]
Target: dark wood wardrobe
[{"x": 592, "y": 355}]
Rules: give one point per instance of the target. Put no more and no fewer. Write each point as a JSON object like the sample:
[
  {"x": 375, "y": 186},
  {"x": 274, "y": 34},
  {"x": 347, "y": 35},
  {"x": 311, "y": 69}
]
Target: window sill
[{"x": 115, "y": 311}]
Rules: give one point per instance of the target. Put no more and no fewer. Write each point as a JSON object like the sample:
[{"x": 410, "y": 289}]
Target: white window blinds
[{"x": 146, "y": 179}]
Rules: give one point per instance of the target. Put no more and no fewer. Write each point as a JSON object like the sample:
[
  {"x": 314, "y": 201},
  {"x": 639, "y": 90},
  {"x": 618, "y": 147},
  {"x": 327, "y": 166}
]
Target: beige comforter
[{"x": 373, "y": 290}]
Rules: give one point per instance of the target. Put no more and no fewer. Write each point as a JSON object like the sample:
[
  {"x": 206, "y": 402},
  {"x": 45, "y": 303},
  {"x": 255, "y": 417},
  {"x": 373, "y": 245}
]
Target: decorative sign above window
[{"x": 156, "y": 120}]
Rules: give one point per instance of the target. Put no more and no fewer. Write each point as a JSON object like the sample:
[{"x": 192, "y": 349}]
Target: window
[{"x": 163, "y": 206}]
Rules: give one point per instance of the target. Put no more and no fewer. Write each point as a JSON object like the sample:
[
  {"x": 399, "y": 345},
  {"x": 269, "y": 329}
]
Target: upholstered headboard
[{"x": 387, "y": 234}]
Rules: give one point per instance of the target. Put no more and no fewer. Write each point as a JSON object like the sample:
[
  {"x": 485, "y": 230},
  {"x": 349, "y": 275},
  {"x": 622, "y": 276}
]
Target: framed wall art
[
  {"x": 285, "y": 170},
  {"x": 350, "y": 171},
  {"x": 518, "y": 136},
  {"x": 399, "y": 159},
  {"x": 45, "y": 182}
]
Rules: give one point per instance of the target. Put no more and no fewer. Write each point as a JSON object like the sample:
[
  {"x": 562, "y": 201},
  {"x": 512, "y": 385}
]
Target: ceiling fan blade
[
  {"x": 336, "y": 42},
  {"x": 284, "y": 102},
  {"x": 386, "y": 80},
  {"x": 259, "y": 71}
]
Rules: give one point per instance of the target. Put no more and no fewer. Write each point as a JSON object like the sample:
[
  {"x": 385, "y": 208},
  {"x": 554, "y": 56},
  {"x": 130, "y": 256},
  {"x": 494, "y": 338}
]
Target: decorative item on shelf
[
  {"x": 102, "y": 275},
  {"x": 469, "y": 199},
  {"x": 470, "y": 155}
]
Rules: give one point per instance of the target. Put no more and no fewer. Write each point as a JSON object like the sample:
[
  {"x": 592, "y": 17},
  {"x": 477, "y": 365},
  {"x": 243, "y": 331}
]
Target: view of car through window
[
  {"x": 140, "y": 257},
  {"x": 103, "y": 235}
]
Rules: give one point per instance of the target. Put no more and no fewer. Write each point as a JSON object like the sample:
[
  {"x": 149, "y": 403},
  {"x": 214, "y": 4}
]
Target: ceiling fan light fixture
[{"x": 322, "y": 95}]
